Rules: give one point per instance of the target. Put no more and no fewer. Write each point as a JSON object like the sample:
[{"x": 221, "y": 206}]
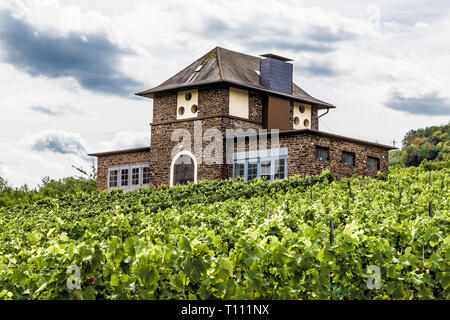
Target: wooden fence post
[{"x": 430, "y": 209}]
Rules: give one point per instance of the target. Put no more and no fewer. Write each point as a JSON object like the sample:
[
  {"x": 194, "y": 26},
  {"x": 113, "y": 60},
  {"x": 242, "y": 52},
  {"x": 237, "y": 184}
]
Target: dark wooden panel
[{"x": 276, "y": 113}]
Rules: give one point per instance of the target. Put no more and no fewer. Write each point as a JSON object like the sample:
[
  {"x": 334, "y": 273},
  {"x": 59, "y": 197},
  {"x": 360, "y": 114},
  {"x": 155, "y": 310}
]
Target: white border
[
  {"x": 172, "y": 165},
  {"x": 119, "y": 176}
]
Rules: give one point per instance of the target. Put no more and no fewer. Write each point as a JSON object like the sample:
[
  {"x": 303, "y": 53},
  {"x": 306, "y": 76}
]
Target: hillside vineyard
[{"x": 296, "y": 238}]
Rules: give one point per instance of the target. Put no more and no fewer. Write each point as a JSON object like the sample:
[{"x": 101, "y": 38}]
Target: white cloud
[
  {"x": 20, "y": 166},
  {"x": 341, "y": 56},
  {"x": 125, "y": 140}
]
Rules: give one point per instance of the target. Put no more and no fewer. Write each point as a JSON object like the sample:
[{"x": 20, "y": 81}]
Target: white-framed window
[
  {"x": 145, "y": 175},
  {"x": 124, "y": 177},
  {"x": 129, "y": 177},
  {"x": 113, "y": 177},
  {"x": 135, "y": 176},
  {"x": 270, "y": 164},
  {"x": 239, "y": 168}
]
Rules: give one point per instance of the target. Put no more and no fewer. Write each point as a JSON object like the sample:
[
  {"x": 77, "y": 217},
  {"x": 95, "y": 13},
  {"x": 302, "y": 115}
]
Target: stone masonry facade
[
  {"x": 302, "y": 157},
  {"x": 118, "y": 159},
  {"x": 213, "y": 112}
]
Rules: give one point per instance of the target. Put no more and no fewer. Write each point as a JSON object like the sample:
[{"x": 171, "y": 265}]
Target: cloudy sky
[{"x": 69, "y": 69}]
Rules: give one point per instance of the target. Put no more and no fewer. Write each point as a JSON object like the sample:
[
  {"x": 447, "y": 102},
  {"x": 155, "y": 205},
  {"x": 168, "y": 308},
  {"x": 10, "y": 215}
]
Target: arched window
[{"x": 183, "y": 168}]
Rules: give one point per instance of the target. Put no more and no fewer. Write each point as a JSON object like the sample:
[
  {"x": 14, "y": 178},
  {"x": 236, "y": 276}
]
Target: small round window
[
  {"x": 194, "y": 108},
  {"x": 296, "y": 121},
  {"x": 188, "y": 96},
  {"x": 301, "y": 109},
  {"x": 306, "y": 123},
  {"x": 181, "y": 111}
]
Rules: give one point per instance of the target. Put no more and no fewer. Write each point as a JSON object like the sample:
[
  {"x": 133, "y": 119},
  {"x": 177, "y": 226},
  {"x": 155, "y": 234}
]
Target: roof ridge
[
  {"x": 224, "y": 65},
  {"x": 243, "y": 54},
  {"x": 219, "y": 62},
  {"x": 189, "y": 65}
]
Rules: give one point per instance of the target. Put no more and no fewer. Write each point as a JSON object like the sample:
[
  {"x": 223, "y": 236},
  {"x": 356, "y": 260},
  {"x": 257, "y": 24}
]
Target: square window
[
  {"x": 265, "y": 169},
  {"x": 348, "y": 158},
  {"x": 124, "y": 177},
  {"x": 113, "y": 175},
  {"x": 322, "y": 153},
  {"x": 145, "y": 175},
  {"x": 135, "y": 176},
  {"x": 239, "y": 170},
  {"x": 252, "y": 171},
  {"x": 280, "y": 166},
  {"x": 373, "y": 163}
]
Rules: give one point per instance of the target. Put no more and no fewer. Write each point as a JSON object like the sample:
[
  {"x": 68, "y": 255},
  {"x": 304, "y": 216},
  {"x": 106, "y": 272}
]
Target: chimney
[{"x": 276, "y": 73}]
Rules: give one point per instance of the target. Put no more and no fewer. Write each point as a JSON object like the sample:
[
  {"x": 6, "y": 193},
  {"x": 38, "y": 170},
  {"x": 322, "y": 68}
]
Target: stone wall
[
  {"x": 255, "y": 101},
  {"x": 165, "y": 106},
  {"x": 119, "y": 159},
  {"x": 314, "y": 118},
  {"x": 162, "y": 147},
  {"x": 302, "y": 159},
  {"x": 213, "y": 107},
  {"x": 213, "y": 100}
]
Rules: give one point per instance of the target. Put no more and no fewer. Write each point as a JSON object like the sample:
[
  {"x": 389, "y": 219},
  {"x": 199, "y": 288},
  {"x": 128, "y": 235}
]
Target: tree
[
  {"x": 431, "y": 144},
  {"x": 4, "y": 185},
  {"x": 89, "y": 175}
]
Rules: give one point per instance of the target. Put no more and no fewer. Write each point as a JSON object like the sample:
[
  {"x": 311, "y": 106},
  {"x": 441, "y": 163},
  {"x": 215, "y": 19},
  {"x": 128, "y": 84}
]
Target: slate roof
[{"x": 235, "y": 68}]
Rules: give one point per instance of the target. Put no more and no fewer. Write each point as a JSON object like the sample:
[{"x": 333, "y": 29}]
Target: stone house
[{"x": 234, "y": 102}]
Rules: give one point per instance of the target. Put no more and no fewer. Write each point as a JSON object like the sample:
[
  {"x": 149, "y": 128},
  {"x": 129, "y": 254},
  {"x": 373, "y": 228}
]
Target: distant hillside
[{"x": 424, "y": 145}]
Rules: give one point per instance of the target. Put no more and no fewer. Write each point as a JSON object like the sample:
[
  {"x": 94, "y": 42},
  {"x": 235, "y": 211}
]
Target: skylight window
[{"x": 199, "y": 68}]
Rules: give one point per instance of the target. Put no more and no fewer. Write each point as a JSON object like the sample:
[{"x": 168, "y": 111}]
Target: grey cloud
[
  {"x": 46, "y": 111},
  {"x": 289, "y": 45},
  {"x": 429, "y": 104},
  {"x": 259, "y": 37},
  {"x": 213, "y": 26},
  {"x": 318, "y": 69},
  {"x": 325, "y": 34},
  {"x": 58, "y": 142},
  {"x": 92, "y": 63},
  {"x": 55, "y": 111}
]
